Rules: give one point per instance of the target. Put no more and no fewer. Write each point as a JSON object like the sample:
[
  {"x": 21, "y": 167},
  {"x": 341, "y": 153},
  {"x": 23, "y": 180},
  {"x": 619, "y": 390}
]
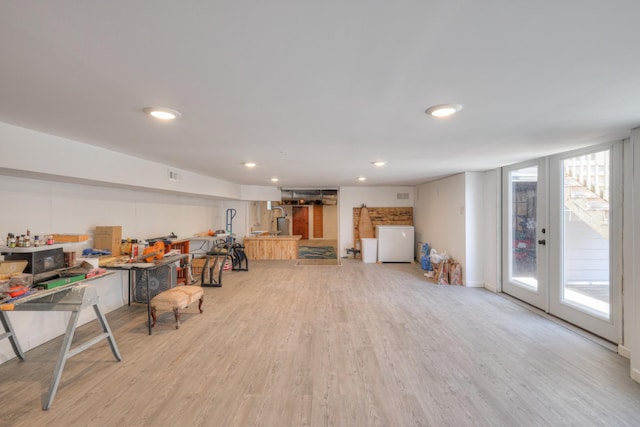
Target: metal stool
[
  {"x": 215, "y": 260},
  {"x": 238, "y": 257}
]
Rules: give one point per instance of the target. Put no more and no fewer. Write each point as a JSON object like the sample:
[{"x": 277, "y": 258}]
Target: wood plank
[
  {"x": 271, "y": 247},
  {"x": 381, "y": 216},
  {"x": 318, "y": 221},
  {"x": 365, "y": 229}
]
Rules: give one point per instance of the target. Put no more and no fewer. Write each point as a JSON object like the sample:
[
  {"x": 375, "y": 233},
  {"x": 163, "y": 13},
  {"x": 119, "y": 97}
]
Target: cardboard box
[
  {"x": 67, "y": 238},
  {"x": 12, "y": 267},
  {"x": 108, "y": 237},
  {"x": 196, "y": 266}
]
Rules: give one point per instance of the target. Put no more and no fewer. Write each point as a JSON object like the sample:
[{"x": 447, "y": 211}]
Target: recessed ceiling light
[
  {"x": 162, "y": 113},
  {"x": 443, "y": 110},
  {"x": 274, "y": 179},
  {"x": 379, "y": 163},
  {"x": 250, "y": 164},
  {"x": 362, "y": 178}
]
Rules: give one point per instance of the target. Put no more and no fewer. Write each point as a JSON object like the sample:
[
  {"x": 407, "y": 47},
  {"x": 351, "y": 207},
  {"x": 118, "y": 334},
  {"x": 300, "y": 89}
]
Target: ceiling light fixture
[
  {"x": 250, "y": 164},
  {"x": 362, "y": 178},
  {"x": 274, "y": 179},
  {"x": 162, "y": 113},
  {"x": 443, "y": 110},
  {"x": 379, "y": 163}
]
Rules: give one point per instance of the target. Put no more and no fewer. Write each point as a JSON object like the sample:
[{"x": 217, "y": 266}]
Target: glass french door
[
  {"x": 524, "y": 232},
  {"x": 560, "y": 245},
  {"x": 586, "y": 193}
]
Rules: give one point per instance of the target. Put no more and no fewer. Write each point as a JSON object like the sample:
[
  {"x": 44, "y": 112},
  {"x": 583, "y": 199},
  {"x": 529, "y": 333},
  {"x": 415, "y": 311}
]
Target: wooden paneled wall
[{"x": 382, "y": 216}]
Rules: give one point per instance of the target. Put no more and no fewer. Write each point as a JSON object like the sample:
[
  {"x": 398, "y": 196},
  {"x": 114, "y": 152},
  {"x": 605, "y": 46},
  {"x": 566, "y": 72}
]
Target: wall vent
[
  {"x": 402, "y": 196},
  {"x": 173, "y": 175}
]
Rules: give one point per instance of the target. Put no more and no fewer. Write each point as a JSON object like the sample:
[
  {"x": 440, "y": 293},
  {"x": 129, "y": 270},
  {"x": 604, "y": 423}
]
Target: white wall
[
  {"x": 491, "y": 230},
  {"x": 628, "y": 247},
  {"x": 257, "y": 192},
  {"x": 474, "y": 219},
  {"x": 459, "y": 215},
  {"x": 632, "y": 283},
  {"x": 34, "y": 154},
  {"x": 439, "y": 217},
  {"x": 56, "y": 207},
  {"x": 373, "y": 197}
]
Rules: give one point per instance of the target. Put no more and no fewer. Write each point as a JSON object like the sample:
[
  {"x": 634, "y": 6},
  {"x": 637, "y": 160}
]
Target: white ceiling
[{"x": 314, "y": 91}]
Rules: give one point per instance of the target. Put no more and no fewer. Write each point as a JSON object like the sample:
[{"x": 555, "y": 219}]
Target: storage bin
[
  {"x": 369, "y": 249},
  {"x": 39, "y": 261}
]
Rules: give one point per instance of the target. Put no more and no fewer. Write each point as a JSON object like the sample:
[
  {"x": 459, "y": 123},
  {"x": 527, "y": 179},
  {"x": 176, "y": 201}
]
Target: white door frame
[
  {"x": 610, "y": 329},
  {"x": 549, "y": 257},
  {"x": 539, "y": 297}
]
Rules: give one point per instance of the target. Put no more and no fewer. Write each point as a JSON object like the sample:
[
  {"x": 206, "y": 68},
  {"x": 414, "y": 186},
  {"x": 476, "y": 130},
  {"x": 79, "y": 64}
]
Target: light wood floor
[{"x": 353, "y": 345}]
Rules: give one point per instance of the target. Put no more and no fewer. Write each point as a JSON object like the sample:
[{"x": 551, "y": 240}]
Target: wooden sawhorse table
[{"x": 72, "y": 298}]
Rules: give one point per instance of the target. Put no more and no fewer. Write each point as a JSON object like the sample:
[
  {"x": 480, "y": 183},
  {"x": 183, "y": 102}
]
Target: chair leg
[
  {"x": 153, "y": 316},
  {"x": 200, "y": 303},
  {"x": 176, "y": 312}
]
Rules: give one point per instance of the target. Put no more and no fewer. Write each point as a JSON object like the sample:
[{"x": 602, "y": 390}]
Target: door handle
[{"x": 542, "y": 242}]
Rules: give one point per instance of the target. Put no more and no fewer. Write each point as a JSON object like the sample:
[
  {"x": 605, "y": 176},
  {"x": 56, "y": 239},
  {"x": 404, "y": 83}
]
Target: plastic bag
[
  {"x": 455, "y": 273},
  {"x": 425, "y": 260}
]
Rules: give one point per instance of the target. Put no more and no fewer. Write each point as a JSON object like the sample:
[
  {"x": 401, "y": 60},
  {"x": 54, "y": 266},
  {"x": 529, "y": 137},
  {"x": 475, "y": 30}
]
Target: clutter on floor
[{"x": 440, "y": 268}]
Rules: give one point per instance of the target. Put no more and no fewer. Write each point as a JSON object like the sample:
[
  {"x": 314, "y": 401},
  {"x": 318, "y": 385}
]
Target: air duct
[{"x": 309, "y": 197}]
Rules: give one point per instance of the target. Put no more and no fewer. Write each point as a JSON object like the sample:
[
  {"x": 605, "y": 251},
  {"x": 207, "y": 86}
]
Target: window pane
[
  {"x": 586, "y": 233},
  {"x": 524, "y": 205}
]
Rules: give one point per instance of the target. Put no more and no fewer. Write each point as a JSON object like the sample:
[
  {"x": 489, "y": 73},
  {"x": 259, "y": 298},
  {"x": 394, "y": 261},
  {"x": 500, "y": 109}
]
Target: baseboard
[
  {"x": 624, "y": 351},
  {"x": 491, "y": 288},
  {"x": 635, "y": 375},
  {"x": 474, "y": 285}
]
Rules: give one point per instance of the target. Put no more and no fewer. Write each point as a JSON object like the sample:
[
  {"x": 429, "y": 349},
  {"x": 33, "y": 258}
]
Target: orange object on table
[{"x": 155, "y": 252}]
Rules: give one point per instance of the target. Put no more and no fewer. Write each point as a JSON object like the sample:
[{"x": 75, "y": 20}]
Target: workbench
[
  {"x": 200, "y": 245},
  {"x": 73, "y": 298}
]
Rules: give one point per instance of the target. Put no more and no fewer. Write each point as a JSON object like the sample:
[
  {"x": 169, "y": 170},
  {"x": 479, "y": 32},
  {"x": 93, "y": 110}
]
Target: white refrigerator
[{"x": 395, "y": 243}]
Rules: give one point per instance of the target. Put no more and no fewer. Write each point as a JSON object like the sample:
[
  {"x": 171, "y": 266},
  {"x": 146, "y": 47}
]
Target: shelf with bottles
[{"x": 30, "y": 249}]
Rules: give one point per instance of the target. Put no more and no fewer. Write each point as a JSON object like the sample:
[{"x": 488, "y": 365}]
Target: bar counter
[{"x": 271, "y": 247}]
